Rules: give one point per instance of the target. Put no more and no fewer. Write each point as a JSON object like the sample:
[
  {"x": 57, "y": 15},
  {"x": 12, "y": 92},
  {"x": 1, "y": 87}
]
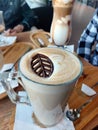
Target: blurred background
[{"x": 92, "y": 3}]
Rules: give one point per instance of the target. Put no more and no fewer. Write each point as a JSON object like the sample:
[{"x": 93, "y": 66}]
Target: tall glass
[
  {"x": 61, "y": 23},
  {"x": 1, "y": 60},
  {"x": 2, "y": 28},
  {"x": 2, "y": 25}
]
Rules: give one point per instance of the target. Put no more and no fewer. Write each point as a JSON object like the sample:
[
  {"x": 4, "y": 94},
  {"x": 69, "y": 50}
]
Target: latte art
[
  {"x": 66, "y": 66},
  {"x": 42, "y": 65}
]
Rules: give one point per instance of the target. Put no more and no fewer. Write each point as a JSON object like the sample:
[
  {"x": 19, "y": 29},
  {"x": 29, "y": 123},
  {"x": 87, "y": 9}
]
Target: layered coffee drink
[
  {"x": 2, "y": 28},
  {"x": 61, "y": 24},
  {"x": 49, "y": 76}
]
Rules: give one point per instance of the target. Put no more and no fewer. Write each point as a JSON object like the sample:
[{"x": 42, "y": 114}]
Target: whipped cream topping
[{"x": 62, "y": 2}]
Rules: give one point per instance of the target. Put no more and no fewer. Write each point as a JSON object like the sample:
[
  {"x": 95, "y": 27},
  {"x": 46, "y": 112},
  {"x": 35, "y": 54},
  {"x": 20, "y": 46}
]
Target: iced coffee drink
[
  {"x": 49, "y": 76},
  {"x": 2, "y": 28},
  {"x": 2, "y": 25},
  {"x": 61, "y": 23},
  {"x": 1, "y": 59}
]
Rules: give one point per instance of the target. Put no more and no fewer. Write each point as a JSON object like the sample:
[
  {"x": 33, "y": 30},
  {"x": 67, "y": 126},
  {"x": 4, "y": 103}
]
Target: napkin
[
  {"x": 25, "y": 121},
  {"x": 87, "y": 90},
  {"x": 7, "y": 40}
]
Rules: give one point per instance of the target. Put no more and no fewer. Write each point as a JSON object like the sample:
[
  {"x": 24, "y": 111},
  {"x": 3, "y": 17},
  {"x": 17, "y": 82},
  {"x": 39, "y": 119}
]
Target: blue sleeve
[{"x": 29, "y": 17}]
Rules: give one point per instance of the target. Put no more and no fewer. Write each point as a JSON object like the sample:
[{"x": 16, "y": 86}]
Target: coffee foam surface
[{"x": 66, "y": 66}]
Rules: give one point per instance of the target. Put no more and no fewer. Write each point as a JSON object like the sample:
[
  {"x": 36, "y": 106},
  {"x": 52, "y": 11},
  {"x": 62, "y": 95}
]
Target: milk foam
[
  {"x": 66, "y": 66},
  {"x": 61, "y": 32}
]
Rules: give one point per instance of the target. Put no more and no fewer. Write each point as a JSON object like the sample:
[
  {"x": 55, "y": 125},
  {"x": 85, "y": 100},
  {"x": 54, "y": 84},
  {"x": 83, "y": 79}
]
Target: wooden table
[{"x": 89, "y": 115}]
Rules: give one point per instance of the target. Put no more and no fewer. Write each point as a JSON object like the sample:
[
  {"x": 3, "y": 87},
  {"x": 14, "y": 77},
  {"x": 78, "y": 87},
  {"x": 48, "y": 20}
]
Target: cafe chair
[{"x": 81, "y": 16}]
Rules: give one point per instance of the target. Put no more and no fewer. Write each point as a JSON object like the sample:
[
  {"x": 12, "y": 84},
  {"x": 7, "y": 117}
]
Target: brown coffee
[{"x": 2, "y": 28}]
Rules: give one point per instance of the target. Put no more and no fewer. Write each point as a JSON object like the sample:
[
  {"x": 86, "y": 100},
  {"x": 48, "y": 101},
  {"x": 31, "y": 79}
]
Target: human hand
[
  {"x": 9, "y": 32},
  {"x": 14, "y": 31}
]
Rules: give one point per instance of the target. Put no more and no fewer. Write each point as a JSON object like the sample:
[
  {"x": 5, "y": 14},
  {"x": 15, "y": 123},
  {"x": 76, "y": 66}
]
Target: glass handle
[{"x": 14, "y": 97}]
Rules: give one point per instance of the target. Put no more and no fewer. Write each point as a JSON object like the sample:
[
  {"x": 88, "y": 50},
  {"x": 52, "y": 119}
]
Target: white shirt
[{"x": 35, "y": 3}]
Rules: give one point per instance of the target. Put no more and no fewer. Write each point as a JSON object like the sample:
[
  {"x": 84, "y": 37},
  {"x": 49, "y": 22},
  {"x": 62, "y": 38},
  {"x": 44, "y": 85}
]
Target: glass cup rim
[{"x": 64, "y": 83}]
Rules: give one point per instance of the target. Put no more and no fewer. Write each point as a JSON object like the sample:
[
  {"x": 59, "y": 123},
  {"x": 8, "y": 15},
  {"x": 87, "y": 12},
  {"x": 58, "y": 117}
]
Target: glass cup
[
  {"x": 48, "y": 75},
  {"x": 1, "y": 60},
  {"x": 2, "y": 25},
  {"x": 61, "y": 23}
]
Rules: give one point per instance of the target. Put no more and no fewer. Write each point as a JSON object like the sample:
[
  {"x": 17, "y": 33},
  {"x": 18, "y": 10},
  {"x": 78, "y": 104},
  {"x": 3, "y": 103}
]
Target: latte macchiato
[{"x": 49, "y": 76}]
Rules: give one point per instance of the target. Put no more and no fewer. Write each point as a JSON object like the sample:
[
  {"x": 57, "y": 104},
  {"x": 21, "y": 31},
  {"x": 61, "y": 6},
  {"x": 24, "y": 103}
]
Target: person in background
[
  {"x": 88, "y": 43},
  {"x": 19, "y": 16},
  {"x": 44, "y": 12}
]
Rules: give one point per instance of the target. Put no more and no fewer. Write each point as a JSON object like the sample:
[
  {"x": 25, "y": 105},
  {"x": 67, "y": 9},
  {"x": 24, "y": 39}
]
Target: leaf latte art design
[{"x": 42, "y": 65}]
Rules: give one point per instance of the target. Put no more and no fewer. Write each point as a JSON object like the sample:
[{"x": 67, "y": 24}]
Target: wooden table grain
[{"x": 89, "y": 115}]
